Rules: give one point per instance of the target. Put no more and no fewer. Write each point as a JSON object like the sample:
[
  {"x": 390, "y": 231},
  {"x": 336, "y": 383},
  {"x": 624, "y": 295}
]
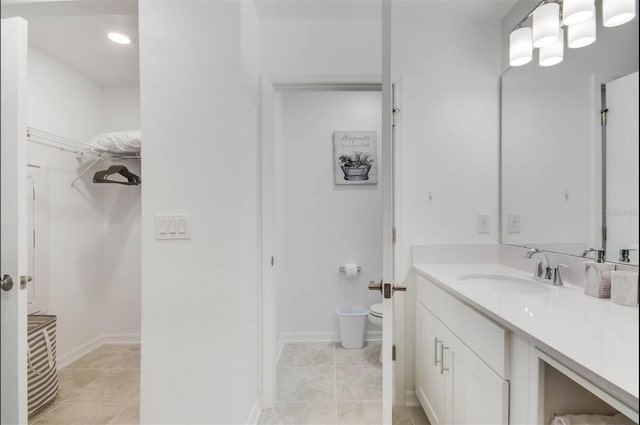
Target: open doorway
[
  {"x": 84, "y": 246},
  {"x": 326, "y": 237}
]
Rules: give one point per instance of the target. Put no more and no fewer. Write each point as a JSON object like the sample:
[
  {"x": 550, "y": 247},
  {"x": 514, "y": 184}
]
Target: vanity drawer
[
  {"x": 431, "y": 296},
  {"x": 484, "y": 337}
]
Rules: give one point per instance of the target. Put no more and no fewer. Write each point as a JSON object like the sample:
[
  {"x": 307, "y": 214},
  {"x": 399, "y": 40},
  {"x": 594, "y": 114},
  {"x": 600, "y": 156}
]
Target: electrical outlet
[
  {"x": 483, "y": 223},
  {"x": 513, "y": 223}
]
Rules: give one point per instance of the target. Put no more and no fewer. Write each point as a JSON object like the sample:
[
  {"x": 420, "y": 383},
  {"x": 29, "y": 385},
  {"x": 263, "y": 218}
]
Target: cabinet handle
[
  {"x": 442, "y": 368},
  {"x": 436, "y": 341}
]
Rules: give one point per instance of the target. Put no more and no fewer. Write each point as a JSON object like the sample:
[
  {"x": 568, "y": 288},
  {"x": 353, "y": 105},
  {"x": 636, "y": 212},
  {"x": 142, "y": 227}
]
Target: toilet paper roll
[{"x": 351, "y": 270}]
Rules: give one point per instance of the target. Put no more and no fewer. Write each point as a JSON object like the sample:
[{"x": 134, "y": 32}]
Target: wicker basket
[{"x": 41, "y": 362}]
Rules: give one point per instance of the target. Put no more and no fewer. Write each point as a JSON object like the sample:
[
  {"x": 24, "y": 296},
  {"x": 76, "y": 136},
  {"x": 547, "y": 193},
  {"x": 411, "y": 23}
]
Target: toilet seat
[{"x": 376, "y": 310}]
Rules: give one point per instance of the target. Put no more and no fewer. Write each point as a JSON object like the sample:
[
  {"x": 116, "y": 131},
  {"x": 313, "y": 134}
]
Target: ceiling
[
  {"x": 371, "y": 9},
  {"x": 74, "y": 31},
  {"x": 319, "y": 9},
  {"x": 75, "y": 34}
]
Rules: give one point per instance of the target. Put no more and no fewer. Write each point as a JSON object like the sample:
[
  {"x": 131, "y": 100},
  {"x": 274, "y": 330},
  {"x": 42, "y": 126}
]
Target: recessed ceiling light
[{"x": 119, "y": 38}]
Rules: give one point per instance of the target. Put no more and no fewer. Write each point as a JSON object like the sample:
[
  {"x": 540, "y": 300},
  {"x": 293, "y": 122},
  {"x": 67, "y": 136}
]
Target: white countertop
[{"x": 598, "y": 336}]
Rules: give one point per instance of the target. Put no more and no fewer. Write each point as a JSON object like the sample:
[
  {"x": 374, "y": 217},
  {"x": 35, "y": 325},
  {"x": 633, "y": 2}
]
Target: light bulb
[
  {"x": 617, "y": 12},
  {"x": 119, "y": 38},
  {"x": 577, "y": 11},
  {"x": 520, "y": 46},
  {"x": 546, "y": 24},
  {"x": 554, "y": 53},
  {"x": 582, "y": 34}
]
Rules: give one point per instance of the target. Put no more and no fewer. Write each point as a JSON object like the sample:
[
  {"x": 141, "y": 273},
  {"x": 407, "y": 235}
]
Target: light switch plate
[
  {"x": 513, "y": 223},
  {"x": 483, "y": 223},
  {"x": 173, "y": 226}
]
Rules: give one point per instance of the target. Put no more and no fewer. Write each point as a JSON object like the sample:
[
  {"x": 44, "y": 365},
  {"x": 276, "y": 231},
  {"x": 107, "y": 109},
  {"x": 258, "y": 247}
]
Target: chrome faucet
[
  {"x": 624, "y": 255},
  {"x": 600, "y": 254},
  {"x": 542, "y": 271}
]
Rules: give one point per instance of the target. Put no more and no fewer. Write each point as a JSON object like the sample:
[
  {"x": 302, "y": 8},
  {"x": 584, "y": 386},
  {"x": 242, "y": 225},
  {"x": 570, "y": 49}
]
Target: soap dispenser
[{"x": 597, "y": 275}]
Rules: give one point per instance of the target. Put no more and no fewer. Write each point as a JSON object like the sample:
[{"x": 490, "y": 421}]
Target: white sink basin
[{"x": 505, "y": 283}]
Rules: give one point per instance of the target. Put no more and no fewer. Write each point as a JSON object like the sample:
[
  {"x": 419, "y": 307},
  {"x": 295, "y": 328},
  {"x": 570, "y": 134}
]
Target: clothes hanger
[{"x": 101, "y": 176}]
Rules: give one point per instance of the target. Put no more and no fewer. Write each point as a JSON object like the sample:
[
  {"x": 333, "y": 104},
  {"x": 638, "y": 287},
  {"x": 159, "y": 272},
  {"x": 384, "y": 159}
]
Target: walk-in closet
[{"x": 84, "y": 186}]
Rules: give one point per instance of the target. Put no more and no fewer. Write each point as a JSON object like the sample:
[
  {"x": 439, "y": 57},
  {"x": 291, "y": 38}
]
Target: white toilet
[{"x": 375, "y": 318}]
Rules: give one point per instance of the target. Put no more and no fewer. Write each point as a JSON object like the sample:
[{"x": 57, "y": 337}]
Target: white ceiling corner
[{"x": 74, "y": 33}]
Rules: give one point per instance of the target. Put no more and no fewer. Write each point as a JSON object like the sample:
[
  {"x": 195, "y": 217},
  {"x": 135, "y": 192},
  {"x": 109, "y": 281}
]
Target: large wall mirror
[{"x": 569, "y": 183}]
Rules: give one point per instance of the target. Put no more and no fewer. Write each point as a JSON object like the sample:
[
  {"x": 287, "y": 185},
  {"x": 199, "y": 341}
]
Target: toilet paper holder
[{"x": 343, "y": 269}]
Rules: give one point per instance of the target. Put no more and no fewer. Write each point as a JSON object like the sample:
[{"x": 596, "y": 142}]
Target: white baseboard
[
  {"x": 74, "y": 354},
  {"x": 411, "y": 399},
  {"x": 121, "y": 339},
  {"x": 323, "y": 336},
  {"x": 256, "y": 411}
]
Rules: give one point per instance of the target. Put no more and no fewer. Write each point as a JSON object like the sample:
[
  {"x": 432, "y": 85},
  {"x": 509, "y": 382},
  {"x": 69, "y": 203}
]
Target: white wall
[
  {"x": 447, "y": 78},
  {"x": 119, "y": 108},
  {"x": 200, "y": 296},
  {"x": 61, "y": 100},
  {"x": 322, "y": 226},
  {"x": 447, "y": 144},
  {"x": 94, "y": 264},
  {"x": 66, "y": 103},
  {"x": 320, "y": 47}
]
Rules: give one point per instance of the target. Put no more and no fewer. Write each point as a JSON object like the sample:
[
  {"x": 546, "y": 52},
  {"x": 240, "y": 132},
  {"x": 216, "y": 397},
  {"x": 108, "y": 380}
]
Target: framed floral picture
[{"x": 355, "y": 157}]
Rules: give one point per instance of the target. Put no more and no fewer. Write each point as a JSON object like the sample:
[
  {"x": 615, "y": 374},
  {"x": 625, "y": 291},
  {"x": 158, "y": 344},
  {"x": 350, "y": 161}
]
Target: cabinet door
[
  {"x": 429, "y": 380},
  {"x": 475, "y": 394}
]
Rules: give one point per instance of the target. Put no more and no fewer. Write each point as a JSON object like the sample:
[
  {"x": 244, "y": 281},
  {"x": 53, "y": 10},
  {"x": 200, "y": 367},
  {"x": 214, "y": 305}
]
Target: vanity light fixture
[
  {"x": 546, "y": 24},
  {"x": 119, "y": 38},
  {"x": 554, "y": 53},
  {"x": 520, "y": 47},
  {"x": 617, "y": 12},
  {"x": 547, "y": 33},
  {"x": 577, "y": 11},
  {"x": 582, "y": 34}
]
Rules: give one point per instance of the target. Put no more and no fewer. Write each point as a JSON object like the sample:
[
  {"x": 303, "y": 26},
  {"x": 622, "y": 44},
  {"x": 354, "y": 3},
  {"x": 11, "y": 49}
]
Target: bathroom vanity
[{"x": 494, "y": 346}]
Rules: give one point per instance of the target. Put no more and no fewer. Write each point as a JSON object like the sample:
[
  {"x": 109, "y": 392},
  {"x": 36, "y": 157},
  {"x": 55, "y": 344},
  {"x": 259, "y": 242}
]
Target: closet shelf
[{"x": 80, "y": 149}]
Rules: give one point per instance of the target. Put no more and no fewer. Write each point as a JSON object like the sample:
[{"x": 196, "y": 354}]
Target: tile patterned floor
[
  {"x": 325, "y": 384},
  {"x": 99, "y": 388},
  {"x": 318, "y": 383}
]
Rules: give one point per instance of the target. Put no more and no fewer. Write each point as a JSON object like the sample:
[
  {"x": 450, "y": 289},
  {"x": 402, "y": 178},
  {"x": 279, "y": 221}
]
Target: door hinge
[
  {"x": 34, "y": 193},
  {"x": 394, "y": 116},
  {"x": 603, "y": 116},
  {"x": 393, "y": 235},
  {"x": 604, "y": 233},
  {"x": 393, "y": 353},
  {"x": 273, "y": 261},
  {"x": 34, "y": 238}
]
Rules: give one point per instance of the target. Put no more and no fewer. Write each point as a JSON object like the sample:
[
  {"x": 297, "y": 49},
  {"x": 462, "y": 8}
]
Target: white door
[
  {"x": 388, "y": 232},
  {"x": 622, "y": 167},
  {"x": 13, "y": 211},
  {"x": 475, "y": 394},
  {"x": 429, "y": 368}
]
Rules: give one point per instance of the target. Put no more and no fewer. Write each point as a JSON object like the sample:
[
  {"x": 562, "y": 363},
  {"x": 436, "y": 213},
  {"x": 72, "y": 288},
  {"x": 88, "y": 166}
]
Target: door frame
[
  {"x": 270, "y": 85},
  {"x": 39, "y": 173}
]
